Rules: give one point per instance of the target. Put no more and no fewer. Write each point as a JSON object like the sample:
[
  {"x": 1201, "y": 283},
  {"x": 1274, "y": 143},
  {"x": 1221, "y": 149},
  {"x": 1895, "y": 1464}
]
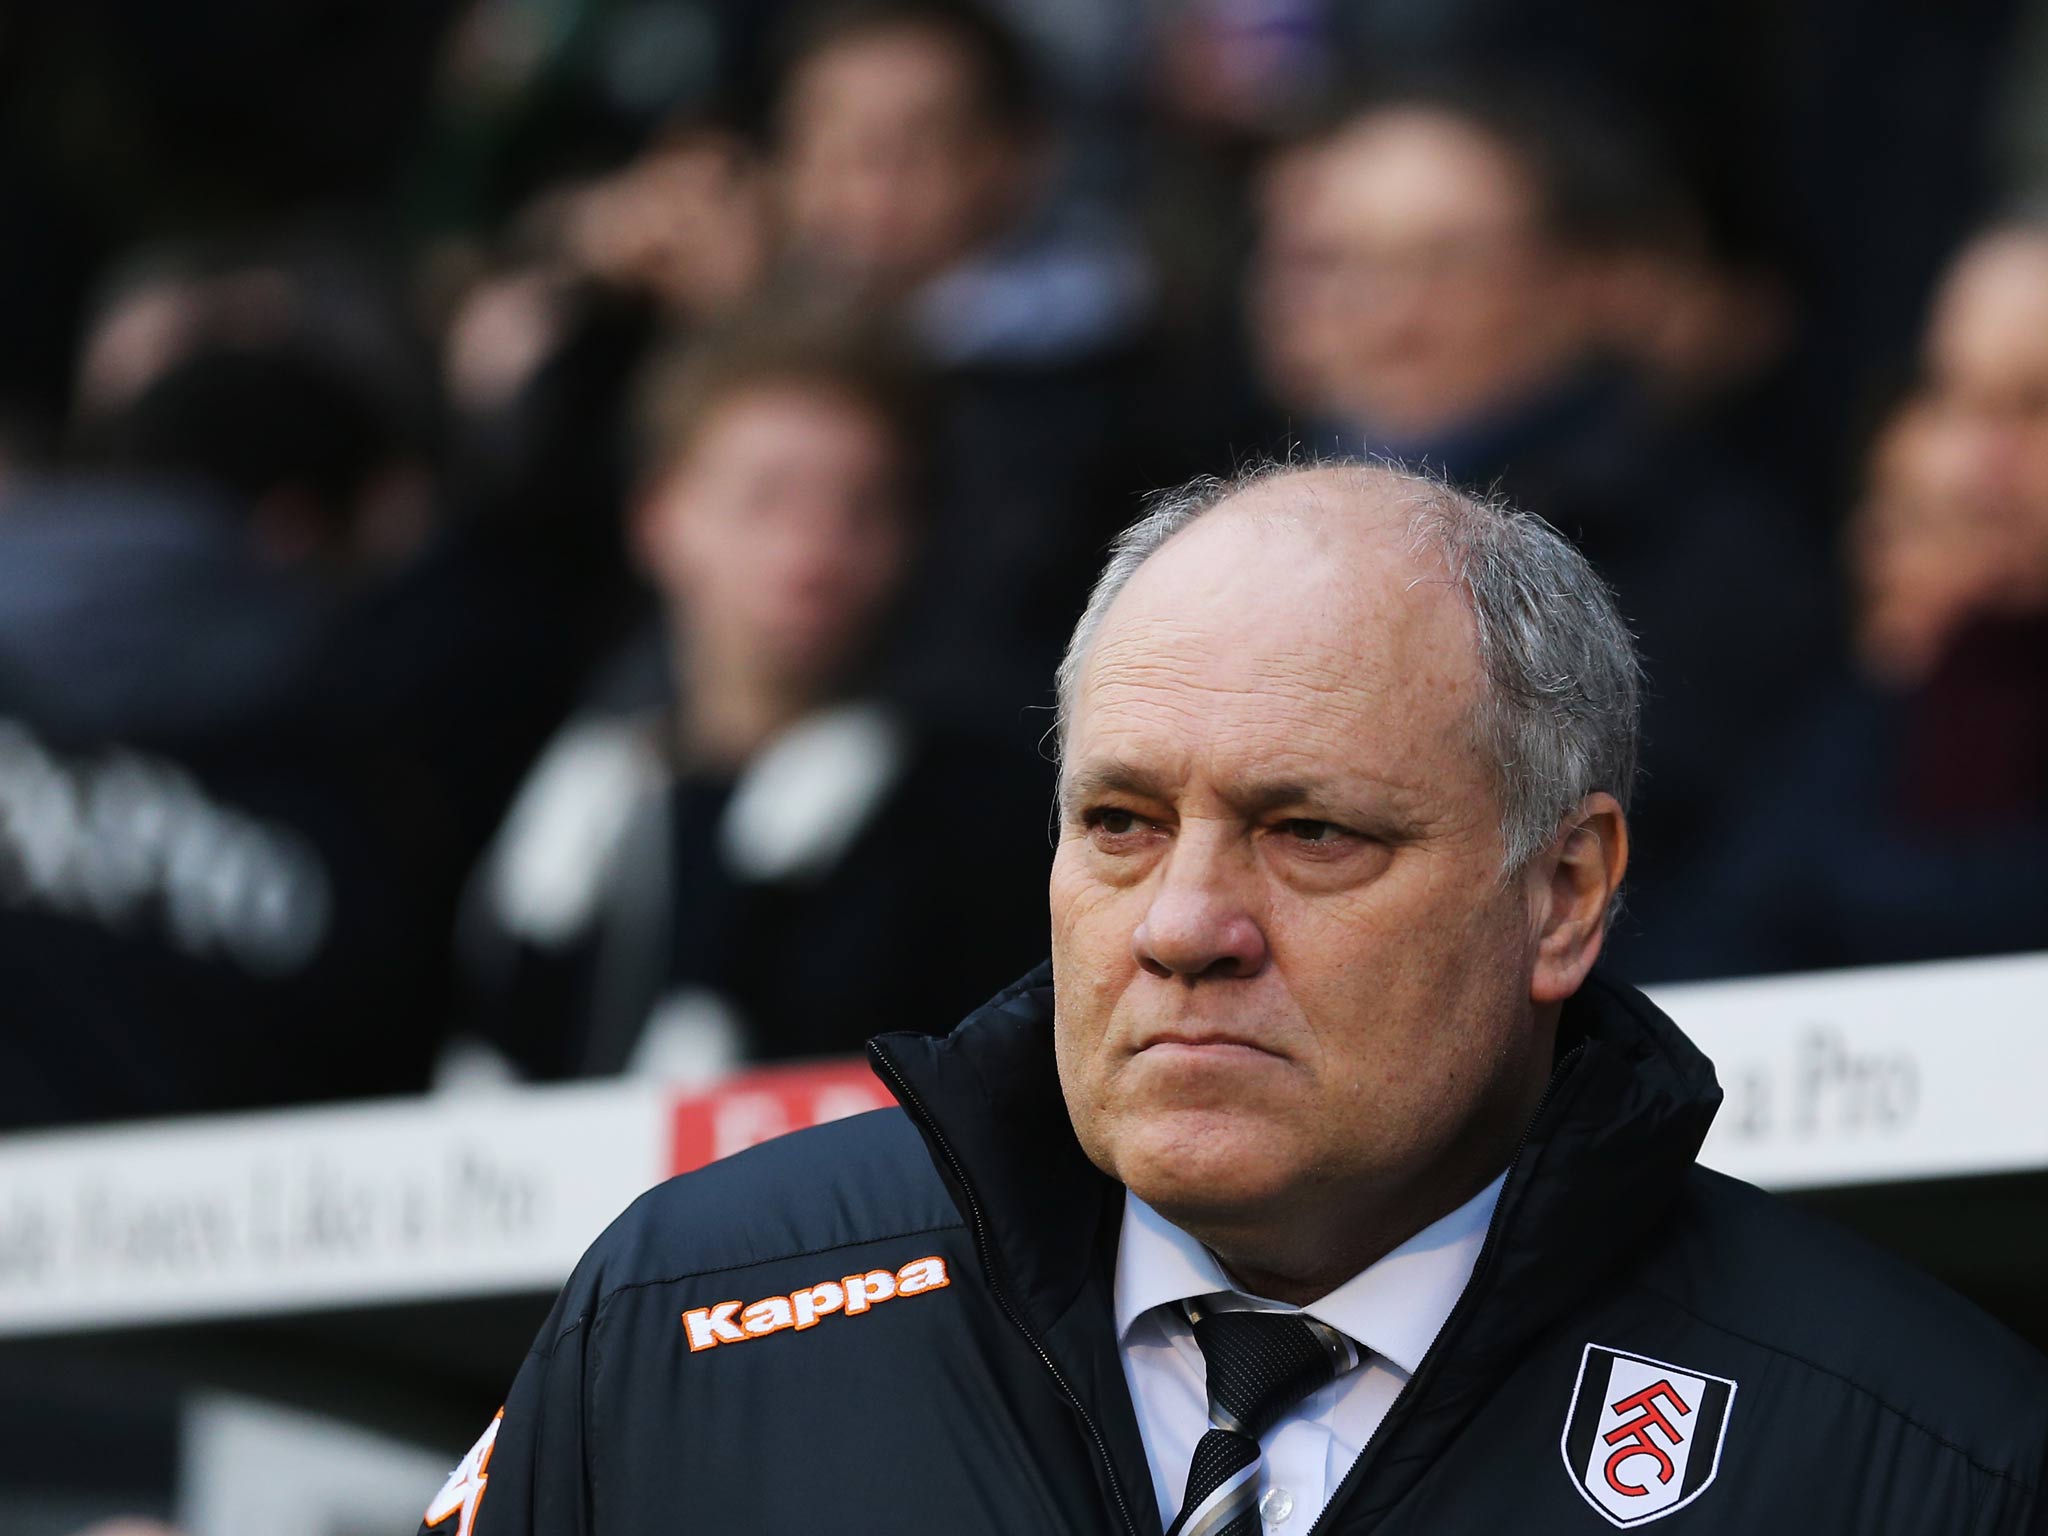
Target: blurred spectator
[
  {"x": 304, "y": 458},
  {"x": 1440, "y": 253},
  {"x": 909, "y": 164},
  {"x": 1908, "y": 817},
  {"x": 265, "y": 701},
  {"x": 455, "y": 598},
  {"x": 762, "y": 860},
  {"x": 914, "y": 148},
  {"x": 913, "y": 152},
  {"x": 686, "y": 224},
  {"x": 312, "y": 285},
  {"x": 907, "y": 140},
  {"x": 1987, "y": 366},
  {"x": 1957, "y": 619},
  {"x": 206, "y": 904},
  {"x": 1928, "y": 552},
  {"x": 1697, "y": 321},
  {"x": 1438, "y": 280},
  {"x": 527, "y": 93}
]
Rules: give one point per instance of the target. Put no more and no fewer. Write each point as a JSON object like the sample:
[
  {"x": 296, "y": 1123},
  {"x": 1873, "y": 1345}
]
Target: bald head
[
  {"x": 1329, "y": 543},
  {"x": 1489, "y": 608},
  {"x": 1328, "y": 546}
]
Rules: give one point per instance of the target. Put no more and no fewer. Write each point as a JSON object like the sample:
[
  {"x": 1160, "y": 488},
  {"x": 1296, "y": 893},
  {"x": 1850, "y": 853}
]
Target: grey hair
[{"x": 1558, "y": 717}]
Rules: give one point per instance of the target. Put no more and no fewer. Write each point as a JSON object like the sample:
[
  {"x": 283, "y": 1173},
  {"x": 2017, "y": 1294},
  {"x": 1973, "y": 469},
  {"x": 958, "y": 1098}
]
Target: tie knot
[{"x": 1260, "y": 1364}]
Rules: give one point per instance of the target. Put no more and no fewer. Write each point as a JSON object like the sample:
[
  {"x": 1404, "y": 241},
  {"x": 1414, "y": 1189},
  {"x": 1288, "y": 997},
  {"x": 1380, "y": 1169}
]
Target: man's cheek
[
  {"x": 1068, "y": 900},
  {"x": 1091, "y": 930}
]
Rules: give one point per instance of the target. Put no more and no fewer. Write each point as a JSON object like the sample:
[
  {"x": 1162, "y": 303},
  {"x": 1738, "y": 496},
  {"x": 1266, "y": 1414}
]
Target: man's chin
[{"x": 1206, "y": 1175}]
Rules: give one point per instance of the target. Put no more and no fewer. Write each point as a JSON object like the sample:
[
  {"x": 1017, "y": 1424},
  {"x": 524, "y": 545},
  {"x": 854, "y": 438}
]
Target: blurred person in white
[
  {"x": 722, "y": 861},
  {"x": 1442, "y": 274},
  {"x": 1907, "y": 817}
]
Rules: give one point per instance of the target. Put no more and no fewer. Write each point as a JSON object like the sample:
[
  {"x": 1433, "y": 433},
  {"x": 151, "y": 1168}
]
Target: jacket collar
[
  {"x": 1604, "y": 1156},
  {"x": 987, "y": 1098}
]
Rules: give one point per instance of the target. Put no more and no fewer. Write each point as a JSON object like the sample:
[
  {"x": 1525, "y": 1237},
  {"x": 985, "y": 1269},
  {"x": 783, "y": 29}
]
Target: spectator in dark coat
[
  {"x": 212, "y": 887},
  {"x": 688, "y": 883}
]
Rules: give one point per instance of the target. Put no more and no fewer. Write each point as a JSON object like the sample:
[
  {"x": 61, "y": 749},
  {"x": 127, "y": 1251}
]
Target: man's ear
[{"x": 1574, "y": 882}]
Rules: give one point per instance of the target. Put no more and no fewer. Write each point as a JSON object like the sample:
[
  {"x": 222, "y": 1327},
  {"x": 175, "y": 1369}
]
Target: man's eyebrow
[
  {"x": 1255, "y": 798},
  {"x": 1112, "y": 778}
]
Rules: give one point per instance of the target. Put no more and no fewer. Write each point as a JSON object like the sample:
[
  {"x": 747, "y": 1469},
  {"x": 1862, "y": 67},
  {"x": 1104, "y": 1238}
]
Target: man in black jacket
[{"x": 1317, "y": 1182}]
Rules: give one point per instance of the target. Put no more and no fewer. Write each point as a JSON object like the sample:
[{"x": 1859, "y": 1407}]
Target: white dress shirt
[{"x": 1393, "y": 1310}]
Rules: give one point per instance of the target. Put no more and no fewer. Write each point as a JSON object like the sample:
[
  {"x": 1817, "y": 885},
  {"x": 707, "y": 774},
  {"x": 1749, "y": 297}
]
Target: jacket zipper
[
  {"x": 985, "y": 1245},
  {"x": 1404, "y": 1405}
]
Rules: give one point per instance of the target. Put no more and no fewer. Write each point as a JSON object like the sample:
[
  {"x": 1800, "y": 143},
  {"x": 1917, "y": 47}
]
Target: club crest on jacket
[{"x": 1643, "y": 1437}]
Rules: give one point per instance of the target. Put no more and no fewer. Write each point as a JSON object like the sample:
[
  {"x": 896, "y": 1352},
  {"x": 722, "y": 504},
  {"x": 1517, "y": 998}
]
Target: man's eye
[
  {"x": 1111, "y": 820},
  {"x": 1303, "y": 830}
]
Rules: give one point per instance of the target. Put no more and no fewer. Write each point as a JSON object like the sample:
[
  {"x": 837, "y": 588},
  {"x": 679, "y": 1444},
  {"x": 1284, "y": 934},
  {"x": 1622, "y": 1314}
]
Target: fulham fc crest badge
[{"x": 1643, "y": 1438}]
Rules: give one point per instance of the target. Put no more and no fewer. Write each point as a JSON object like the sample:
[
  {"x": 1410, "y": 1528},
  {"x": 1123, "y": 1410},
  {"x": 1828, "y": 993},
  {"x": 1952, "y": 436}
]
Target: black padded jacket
[{"x": 903, "y": 1322}]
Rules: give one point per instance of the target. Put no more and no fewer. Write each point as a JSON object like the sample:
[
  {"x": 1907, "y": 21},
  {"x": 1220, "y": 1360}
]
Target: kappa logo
[
  {"x": 732, "y": 1322},
  {"x": 1643, "y": 1438}
]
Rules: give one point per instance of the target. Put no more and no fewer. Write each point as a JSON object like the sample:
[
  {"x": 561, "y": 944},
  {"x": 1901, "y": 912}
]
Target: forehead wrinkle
[{"x": 1129, "y": 663}]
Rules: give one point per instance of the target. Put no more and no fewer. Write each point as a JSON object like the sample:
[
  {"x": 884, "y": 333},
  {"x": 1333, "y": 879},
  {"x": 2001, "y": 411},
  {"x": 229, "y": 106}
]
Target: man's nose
[{"x": 1200, "y": 922}]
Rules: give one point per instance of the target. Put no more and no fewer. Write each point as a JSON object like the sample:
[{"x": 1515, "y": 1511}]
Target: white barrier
[
  {"x": 361, "y": 1205},
  {"x": 1881, "y": 1075},
  {"x": 1839, "y": 1078}
]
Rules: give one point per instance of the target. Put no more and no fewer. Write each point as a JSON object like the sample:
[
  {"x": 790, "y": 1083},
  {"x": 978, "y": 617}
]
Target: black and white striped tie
[{"x": 1260, "y": 1364}]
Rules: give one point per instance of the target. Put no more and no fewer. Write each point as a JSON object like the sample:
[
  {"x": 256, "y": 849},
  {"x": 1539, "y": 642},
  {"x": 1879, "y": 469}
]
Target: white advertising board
[
  {"x": 325, "y": 1207},
  {"x": 362, "y": 1205},
  {"x": 1867, "y": 1076}
]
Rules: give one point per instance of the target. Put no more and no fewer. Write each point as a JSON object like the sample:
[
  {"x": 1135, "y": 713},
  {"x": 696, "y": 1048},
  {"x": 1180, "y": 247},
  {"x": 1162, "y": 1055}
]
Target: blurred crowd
[{"x": 534, "y": 534}]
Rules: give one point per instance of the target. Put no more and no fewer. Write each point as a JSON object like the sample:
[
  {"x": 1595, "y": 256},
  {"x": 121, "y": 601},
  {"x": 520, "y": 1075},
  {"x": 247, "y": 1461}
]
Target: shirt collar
[{"x": 1394, "y": 1307}]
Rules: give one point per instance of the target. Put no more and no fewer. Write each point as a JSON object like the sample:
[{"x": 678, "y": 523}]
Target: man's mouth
[{"x": 1205, "y": 1042}]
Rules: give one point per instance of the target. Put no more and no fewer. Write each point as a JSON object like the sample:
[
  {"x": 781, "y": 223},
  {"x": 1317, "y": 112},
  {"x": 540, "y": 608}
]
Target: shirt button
[{"x": 1276, "y": 1506}]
